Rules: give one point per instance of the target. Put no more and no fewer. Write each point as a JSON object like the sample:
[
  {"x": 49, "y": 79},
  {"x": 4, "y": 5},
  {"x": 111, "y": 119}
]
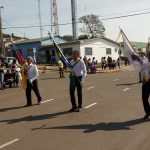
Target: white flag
[{"x": 131, "y": 54}]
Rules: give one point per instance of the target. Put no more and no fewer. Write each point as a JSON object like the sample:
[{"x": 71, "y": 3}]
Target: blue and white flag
[{"x": 59, "y": 53}]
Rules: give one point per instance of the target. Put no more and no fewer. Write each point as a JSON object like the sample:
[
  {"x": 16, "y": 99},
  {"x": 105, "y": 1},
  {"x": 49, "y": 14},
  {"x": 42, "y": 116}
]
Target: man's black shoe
[
  {"x": 72, "y": 110},
  {"x": 146, "y": 116},
  {"x": 28, "y": 105}
]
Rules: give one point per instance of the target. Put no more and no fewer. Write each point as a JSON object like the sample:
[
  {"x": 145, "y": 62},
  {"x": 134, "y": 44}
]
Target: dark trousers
[
  {"x": 34, "y": 87},
  {"x": 79, "y": 92},
  {"x": 61, "y": 72},
  {"x": 140, "y": 77},
  {"x": 145, "y": 96}
]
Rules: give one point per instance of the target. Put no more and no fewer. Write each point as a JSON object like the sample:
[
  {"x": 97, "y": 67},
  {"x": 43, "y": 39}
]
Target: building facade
[{"x": 44, "y": 51}]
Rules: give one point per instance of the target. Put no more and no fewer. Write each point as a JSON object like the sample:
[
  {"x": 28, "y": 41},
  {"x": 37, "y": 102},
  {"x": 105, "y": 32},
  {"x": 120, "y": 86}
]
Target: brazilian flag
[{"x": 59, "y": 53}]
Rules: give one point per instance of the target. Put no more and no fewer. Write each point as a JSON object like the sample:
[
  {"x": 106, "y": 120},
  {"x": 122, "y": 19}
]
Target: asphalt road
[{"x": 111, "y": 118}]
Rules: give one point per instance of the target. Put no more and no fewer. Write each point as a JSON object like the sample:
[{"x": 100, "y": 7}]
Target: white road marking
[
  {"x": 92, "y": 87},
  {"x": 91, "y": 105},
  {"x": 47, "y": 101},
  {"x": 9, "y": 143},
  {"x": 116, "y": 80},
  {"x": 126, "y": 89}
]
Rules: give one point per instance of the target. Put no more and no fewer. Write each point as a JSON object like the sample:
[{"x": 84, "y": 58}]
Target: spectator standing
[
  {"x": 61, "y": 69},
  {"x": 1, "y": 76}
]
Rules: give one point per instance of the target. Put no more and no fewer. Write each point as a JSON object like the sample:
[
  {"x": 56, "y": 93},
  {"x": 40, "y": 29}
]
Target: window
[
  {"x": 88, "y": 50},
  {"x": 30, "y": 52},
  {"x": 67, "y": 51},
  {"x": 108, "y": 51}
]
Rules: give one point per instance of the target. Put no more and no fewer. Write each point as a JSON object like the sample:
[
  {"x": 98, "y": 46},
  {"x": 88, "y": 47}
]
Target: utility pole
[
  {"x": 74, "y": 18},
  {"x": 54, "y": 18},
  {"x": 1, "y": 33},
  {"x": 40, "y": 22}
]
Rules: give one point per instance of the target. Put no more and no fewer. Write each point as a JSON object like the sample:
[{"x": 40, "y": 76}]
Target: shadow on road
[
  {"x": 127, "y": 84},
  {"x": 10, "y": 108},
  {"x": 111, "y": 126},
  {"x": 35, "y": 118}
]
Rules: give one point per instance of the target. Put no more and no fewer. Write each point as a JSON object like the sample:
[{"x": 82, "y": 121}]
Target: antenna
[
  {"x": 74, "y": 18},
  {"x": 54, "y": 18},
  {"x": 40, "y": 22}
]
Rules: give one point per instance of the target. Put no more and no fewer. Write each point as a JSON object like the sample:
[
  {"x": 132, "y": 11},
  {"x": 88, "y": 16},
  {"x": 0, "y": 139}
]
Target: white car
[{"x": 8, "y": 61}]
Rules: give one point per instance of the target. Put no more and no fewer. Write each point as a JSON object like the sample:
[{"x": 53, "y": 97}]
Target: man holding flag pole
[
  {"x": 77, "y": 76},
  {"x": 29, "y": 76},
  {"x": 142, "y": 66}
]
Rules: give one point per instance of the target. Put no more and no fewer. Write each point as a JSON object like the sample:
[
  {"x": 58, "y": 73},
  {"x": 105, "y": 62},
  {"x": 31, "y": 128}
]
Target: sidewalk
[
  {"x": 99, "y": 70},
  {"x": 122, "y": 68}
]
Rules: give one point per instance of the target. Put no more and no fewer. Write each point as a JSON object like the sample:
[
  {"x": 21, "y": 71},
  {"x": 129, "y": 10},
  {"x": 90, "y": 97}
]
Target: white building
[{"x": 97, "y": 47}]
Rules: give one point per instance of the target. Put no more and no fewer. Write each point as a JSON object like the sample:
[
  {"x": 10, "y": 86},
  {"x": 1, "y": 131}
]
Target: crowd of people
[
  {"x": 91, "y": 64},
  {"x": 10, "y": 76}
]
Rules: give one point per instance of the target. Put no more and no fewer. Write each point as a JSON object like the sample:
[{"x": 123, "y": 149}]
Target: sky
[{"x": 22, "y": 13}]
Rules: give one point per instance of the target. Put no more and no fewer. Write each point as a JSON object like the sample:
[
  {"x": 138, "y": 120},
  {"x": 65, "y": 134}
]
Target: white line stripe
[
  {"x": 92, "y": 87},
  {"x": 91, "y": 105},
  {"x": 9, "y": 143},
  {"x": 116, "y": 80},
  {"x": 126, "y": 89},
  {"x": 47, "y": 101}
]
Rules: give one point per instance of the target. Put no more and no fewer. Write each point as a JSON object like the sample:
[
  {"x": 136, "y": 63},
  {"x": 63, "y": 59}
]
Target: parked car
[{"x": 8, "y": 61}]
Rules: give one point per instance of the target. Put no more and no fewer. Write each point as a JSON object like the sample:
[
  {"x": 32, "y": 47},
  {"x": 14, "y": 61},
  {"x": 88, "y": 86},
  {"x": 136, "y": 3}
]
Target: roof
[
  {"x": 81, "y": 42},
  {"x": 94, "y": 39},
  {"x": 139, "y": 44},
  {"x": 42, "y": 40}
]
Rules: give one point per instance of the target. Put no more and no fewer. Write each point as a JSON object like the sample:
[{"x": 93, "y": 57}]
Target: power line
[
  {"x": 37, "y": 26},
  {"x": 4, "y": 20},
  {"x": 137, "y": 14}
]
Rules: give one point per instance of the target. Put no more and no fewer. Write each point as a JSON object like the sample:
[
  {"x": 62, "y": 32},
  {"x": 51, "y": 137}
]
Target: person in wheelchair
[{"x": 8, "y": 78}]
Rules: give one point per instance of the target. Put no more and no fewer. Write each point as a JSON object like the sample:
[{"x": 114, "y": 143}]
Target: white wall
[
  {"x": 99, "y": 49},
  {"x": 73, "y": 46}
]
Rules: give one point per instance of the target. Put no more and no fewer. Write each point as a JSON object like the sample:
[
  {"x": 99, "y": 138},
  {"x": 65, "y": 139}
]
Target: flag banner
[
  {"x": 19, "y": 56},
  {"x": 131, "y": 54},
  {"x": 23, "y": 64},
  {"x": 59, "y": 53}
]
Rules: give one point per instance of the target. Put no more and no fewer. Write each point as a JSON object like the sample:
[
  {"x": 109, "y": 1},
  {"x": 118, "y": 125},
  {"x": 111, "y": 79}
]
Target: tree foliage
[
  {"x": 93, "y": 27},
  {"x": 83, "y": 37},
  {"x": 68, "y": 37}
]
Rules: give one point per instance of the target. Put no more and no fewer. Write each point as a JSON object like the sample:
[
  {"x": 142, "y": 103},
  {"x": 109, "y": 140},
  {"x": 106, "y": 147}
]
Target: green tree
[
  {"x": 92, "y": 27},
  {"x": 68, "y": 37},
  {"x": 83, "y": 37}
]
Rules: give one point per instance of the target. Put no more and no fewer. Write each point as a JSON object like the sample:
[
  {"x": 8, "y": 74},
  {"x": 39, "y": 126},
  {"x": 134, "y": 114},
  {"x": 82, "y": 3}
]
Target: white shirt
[
  {"x": 146, "y": 69},
  {"x": 32, "y": 72},
  {"x": 79, "y": 69}
]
